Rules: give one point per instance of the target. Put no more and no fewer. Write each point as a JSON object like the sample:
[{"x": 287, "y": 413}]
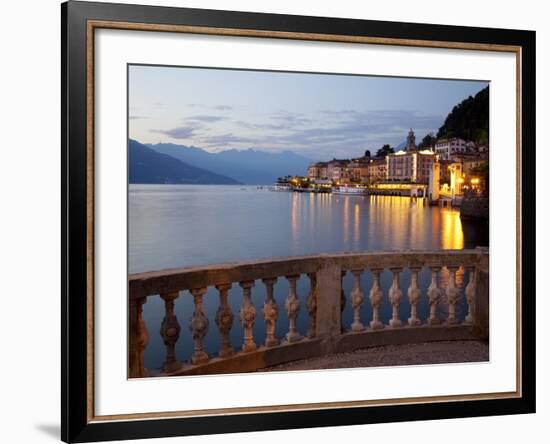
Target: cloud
[
  {"x": 137, "y": 117},
  {"x": 322, "y": 135},
  {"x": 206, "y": 118},
  {"x": 214, "y": 107},
  {"x": 181, "y": 132},
  {"x": 225, "y": 140},
  {"x": 291, "y": 119},
  {"x": 260, "y": 126}
]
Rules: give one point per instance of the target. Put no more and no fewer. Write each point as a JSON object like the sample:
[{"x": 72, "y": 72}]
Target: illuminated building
[
  {"x": 317, "y": 170},
  {"x": 337, "y": 169},
  {"x": 377, "y": 170},
  {"x": 446, "y": 148},
  {"x": 407, "y": 166}
]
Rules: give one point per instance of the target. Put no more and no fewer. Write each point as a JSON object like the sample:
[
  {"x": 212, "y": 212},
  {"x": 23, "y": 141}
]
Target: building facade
[
  {"x": 317, "y": 170},
  {"x": 358, "y": 170},
  {"x": 410, "y": 166},
  {"x": 337, "y": 169},
  {"x": 446, "y": 148},
  {"x": 377, "y": 170}
]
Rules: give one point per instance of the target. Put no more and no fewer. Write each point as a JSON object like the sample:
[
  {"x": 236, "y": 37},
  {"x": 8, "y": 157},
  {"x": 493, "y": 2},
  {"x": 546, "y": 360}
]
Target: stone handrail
[{"x": 324, "y": 305}]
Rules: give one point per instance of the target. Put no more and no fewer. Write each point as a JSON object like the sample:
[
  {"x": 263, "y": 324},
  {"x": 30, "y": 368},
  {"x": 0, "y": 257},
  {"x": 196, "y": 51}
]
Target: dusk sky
[{"x": 316, "y": 115}]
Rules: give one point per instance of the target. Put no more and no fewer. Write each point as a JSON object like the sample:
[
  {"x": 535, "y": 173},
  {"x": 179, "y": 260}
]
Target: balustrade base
[
  {"x": 357, "y": 327},
  {"x": 376, "y": 325},
  {"x": 173, "y": 366},
  {"x": 350, "y": 341},
  {"x": 200, "y": 358},
  {"x": 293, "y": 337},
  {"x": 395, "y": 323},
  {"x": 272, "y": 342}
]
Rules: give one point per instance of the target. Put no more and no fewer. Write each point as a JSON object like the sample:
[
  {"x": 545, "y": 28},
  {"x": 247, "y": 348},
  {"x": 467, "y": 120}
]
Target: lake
[{"x": 187, "y": 225}]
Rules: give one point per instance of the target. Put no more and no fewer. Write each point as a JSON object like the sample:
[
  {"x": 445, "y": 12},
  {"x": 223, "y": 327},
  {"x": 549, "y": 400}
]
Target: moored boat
[{"x": 355, "y": 191}]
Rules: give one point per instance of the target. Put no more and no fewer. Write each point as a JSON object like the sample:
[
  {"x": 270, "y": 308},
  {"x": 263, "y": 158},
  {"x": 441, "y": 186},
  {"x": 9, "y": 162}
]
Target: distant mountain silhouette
[
  {"x": 401, "y": 146},
  {"x": 247, "y": 166},
  {"x": 148, "y": 166}
]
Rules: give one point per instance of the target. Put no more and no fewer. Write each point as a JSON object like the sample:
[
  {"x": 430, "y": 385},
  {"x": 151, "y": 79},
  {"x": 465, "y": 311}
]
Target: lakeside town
[{"x": 443, "y": 171}]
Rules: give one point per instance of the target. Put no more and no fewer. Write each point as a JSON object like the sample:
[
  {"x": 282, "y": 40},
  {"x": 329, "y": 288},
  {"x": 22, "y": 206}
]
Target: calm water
[{"x": 183, "y": 225}]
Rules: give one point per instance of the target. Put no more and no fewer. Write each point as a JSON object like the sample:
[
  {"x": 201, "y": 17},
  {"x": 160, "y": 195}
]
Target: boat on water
[
  {"x": 354, "y": 191},
  {"x": 280, "y": 188}
]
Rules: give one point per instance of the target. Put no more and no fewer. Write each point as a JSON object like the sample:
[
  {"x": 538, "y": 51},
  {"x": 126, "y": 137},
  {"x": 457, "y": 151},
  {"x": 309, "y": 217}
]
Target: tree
[
  {"x": 428, "y": 141},
  {"x": 367, "y": 153},
  {"x": 384, "y": 151},
  {"x": 469, "y": 119}
]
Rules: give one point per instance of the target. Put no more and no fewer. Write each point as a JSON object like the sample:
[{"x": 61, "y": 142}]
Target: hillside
[
  {"x": 247, "y": 166},
  {"x": 469, "y": 119},
  {"x": 148, "y": 166}
]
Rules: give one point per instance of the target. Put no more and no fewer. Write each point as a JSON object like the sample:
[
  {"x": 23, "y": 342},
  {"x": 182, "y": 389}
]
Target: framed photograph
[{"x": 276, "y": 221}]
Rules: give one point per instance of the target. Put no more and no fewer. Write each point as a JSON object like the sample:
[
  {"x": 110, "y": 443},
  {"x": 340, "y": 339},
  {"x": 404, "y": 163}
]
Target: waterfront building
[
  {"x": 471, "y": 147},
  {"x": 411, "y": 141},
  {"x": 317, "y": 170},
  {"x": 358, "y": 169},
  {"x": 448, "y": 147},
  {"x": 444, "y": 172},
  {"x": 433, "y": 181},
  {"x": 377, "y": 170},
  {"x": 337, "y": 169},
  {"x": 470, "y": 161},
  {"x": 457, "y": 179},
  {"x": 406, "y": 166}
]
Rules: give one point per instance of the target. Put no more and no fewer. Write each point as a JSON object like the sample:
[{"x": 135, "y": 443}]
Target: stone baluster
[
  {"x": 357, "y": 298},
  {"x": 311, "y": 304},
  {"x": 342, "y": 293},
  {"x": 224, "y": 321},
  {"x": 414, "y": 295},
  {"x": 342, "y": 300},
  {"x": 248, "y": 316},
  {"x": 170, "y": 331},
  {"x": 471, "y": 296},
  {"x": 395, "y": 296},
  {"x": 434, "y": 296},
  {"x": 271, "y": 313},
  {"x": 452, "y": 295},
  {"x": 375, "y": 297},
  {"x": 198, "y": 325},
  {"x": 292, "y": 307},
  {"x": 139, "y": 337}
]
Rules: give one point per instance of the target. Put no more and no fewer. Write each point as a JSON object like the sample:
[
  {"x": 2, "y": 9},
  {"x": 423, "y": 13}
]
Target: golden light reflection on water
[
  {"x": 295, "y": 218},
  {"x": 354, "y": 223},
  {"x": 452, "y": 237},
  {"x": 346, "y": 219}
]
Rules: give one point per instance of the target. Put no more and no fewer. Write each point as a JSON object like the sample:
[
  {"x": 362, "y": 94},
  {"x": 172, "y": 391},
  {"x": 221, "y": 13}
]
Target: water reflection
[
  {"x": 372, "y": 222},
  {"x": 451, "y": 230}
]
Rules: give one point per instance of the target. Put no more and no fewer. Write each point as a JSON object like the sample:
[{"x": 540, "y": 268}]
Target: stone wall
[{"x": 475, "y": 208}]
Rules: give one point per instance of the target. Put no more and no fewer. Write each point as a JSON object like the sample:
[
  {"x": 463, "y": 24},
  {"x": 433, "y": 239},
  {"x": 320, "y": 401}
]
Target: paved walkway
[{"x": 424, "y": 353}]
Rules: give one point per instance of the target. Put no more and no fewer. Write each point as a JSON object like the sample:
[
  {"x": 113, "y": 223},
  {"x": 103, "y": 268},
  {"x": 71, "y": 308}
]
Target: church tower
[{"x": 411, "y": 141}]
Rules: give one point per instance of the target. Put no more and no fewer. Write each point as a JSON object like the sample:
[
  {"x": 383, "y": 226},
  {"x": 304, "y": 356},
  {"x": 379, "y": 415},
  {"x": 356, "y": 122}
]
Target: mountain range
[
  {"x": 249, "y": 166},
  {"x": 147, "y": 166}
]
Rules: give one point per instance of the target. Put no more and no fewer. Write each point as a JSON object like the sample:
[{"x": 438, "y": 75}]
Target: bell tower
[{"x": 411, "y": 141}]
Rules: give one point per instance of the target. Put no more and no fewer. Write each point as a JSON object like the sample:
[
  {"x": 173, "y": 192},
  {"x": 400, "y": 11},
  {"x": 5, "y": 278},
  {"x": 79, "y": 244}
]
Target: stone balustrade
[{"x": 324, "y": 307}]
